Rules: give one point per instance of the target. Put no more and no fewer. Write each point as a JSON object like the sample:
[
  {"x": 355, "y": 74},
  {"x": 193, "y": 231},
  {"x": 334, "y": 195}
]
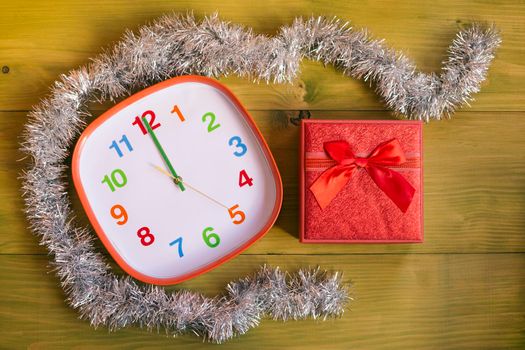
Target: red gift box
[{"x": 361, "y": 181}]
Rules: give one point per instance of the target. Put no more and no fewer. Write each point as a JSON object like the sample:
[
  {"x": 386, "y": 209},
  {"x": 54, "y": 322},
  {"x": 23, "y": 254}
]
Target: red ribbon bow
[{"x": 393, "y": 184}]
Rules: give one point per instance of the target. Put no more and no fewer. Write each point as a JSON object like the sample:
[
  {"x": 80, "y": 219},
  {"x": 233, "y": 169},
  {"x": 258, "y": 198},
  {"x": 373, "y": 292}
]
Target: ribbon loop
[
  {"x": 338, "y": 150},
  {"x": 386, "y": 154}
]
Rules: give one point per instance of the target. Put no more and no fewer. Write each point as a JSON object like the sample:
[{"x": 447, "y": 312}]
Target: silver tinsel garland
[{"x": 176, "y": 45}]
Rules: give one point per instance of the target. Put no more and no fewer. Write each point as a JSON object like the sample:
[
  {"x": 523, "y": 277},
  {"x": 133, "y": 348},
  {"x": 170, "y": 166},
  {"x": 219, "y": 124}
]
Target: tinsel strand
[{"x": 176, "y": 45}]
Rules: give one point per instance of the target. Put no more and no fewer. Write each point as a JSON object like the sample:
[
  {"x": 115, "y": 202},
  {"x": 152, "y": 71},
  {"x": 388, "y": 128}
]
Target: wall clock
[{"x": 176, "y": 179}]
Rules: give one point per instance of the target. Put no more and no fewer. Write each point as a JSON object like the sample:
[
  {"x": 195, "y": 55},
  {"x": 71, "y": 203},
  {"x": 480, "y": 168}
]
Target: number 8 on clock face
[{"x": 176, "y": 180}]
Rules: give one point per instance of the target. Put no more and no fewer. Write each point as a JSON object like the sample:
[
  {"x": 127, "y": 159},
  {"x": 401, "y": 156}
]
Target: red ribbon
[{"x": 393, "y": 184}]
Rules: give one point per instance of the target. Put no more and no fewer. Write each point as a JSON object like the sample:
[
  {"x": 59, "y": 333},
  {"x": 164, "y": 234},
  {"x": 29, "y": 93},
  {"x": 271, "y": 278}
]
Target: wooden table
[{"x": 463, "y": 288}]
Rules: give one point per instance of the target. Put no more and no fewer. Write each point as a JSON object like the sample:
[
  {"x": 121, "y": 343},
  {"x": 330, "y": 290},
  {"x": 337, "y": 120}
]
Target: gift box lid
[{"x": 380, "y": 201}]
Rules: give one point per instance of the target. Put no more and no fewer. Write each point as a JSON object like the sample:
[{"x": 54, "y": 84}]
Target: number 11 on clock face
[{"x": 174, "y": 187}]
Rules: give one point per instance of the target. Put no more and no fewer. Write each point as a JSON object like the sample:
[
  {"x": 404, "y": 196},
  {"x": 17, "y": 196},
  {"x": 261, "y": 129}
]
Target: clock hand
[
  {"x": 162, "y": 153},
  {"x": 178, "y": 179}
]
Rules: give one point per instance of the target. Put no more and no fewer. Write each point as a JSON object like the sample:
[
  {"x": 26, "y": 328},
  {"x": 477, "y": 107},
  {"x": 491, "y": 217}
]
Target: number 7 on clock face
[{"x": 155, "y": 231}]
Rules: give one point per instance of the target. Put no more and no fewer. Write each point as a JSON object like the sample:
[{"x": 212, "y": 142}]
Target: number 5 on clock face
[{"x": 128, "y": 163}]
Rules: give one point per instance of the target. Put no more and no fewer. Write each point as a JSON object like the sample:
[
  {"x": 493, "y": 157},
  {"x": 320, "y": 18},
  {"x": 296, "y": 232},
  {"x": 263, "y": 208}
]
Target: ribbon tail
[
  {"x": 394, "y": 185},
  {"x": 330, "y": 183}
]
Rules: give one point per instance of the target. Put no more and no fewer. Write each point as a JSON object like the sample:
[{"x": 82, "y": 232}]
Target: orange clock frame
[{"x": 93, "y": 219}]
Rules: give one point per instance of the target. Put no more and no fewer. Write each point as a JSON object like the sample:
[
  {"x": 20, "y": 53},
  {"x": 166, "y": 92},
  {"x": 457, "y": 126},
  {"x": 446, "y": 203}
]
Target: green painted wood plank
[
  {"x": 39, "y": 41},
  {"x": 461, "y": 301},
  {"x": 474, "y": 193}
]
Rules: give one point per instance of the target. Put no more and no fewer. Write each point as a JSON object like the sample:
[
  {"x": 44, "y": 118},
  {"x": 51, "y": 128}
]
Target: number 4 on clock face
[{"x": 244, "y": 179}]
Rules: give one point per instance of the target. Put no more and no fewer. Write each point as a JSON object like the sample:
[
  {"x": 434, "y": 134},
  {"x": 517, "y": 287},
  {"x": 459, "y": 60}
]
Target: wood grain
[
  {"x": 401, "y": 301},
  {"x": 462, "y": 289},
  {"x": 472, "y": 179},
  {"x": 38, "y": 42}
]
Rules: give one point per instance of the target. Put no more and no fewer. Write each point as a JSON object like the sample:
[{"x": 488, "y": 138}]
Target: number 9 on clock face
[{"x": 176, "y": 180}]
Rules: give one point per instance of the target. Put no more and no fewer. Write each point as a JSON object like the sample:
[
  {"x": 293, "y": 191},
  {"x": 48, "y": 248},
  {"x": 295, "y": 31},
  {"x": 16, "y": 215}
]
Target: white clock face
[{"x": 166, "y": 219}]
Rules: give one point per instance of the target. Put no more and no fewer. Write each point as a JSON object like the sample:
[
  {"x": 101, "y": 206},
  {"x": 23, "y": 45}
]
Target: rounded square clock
[{"x": 176, "y": 179}]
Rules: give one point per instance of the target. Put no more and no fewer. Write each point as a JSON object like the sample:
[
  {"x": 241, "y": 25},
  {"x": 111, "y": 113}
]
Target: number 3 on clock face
[{"x": 128, "y": 163}]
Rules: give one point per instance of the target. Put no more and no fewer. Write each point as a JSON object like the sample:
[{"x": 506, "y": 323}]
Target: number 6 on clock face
[{"x": 128, "y": 165}]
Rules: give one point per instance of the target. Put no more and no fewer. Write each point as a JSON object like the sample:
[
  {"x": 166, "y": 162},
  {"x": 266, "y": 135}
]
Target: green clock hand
[
  {"x": 162, "y": 153},
  {"x": 162, "y": 170}
]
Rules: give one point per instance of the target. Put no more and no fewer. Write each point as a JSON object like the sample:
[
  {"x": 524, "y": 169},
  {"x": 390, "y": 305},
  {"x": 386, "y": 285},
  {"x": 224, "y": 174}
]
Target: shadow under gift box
[{"x": 361, "y": 212}]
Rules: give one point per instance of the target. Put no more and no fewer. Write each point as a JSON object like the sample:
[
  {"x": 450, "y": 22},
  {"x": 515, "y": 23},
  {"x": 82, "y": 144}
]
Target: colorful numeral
[
  {"x": 119, "y": 213},
  {"x": 244, "y": 179},
  {"x": 179, "y": 242},
  {"x": 138, "y": 121},
  {"x": 176, "y": 109},
  {"x": 146, "y": 237},
  {"x": 210, "y": 238},
  {"x": 236, "y": 213},
  {"x": 118, "y": 178},
  {"x": 116, "y": 147},
  {"x": 237, "y": 142},
  {"x": 211, "y": 125}
]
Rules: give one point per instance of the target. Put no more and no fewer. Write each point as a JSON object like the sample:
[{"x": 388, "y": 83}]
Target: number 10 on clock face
[{"x": 176, "y": 180}]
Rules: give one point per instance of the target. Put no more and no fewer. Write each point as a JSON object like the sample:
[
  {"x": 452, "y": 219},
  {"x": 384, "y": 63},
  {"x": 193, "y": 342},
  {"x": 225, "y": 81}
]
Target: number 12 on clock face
[{"x": 172, "y": 187}]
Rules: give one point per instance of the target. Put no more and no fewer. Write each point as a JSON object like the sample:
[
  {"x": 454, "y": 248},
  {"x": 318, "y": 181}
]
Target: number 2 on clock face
[
  {"x": 211, "y": 118},
  {"x": 156, "y": 231}
]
